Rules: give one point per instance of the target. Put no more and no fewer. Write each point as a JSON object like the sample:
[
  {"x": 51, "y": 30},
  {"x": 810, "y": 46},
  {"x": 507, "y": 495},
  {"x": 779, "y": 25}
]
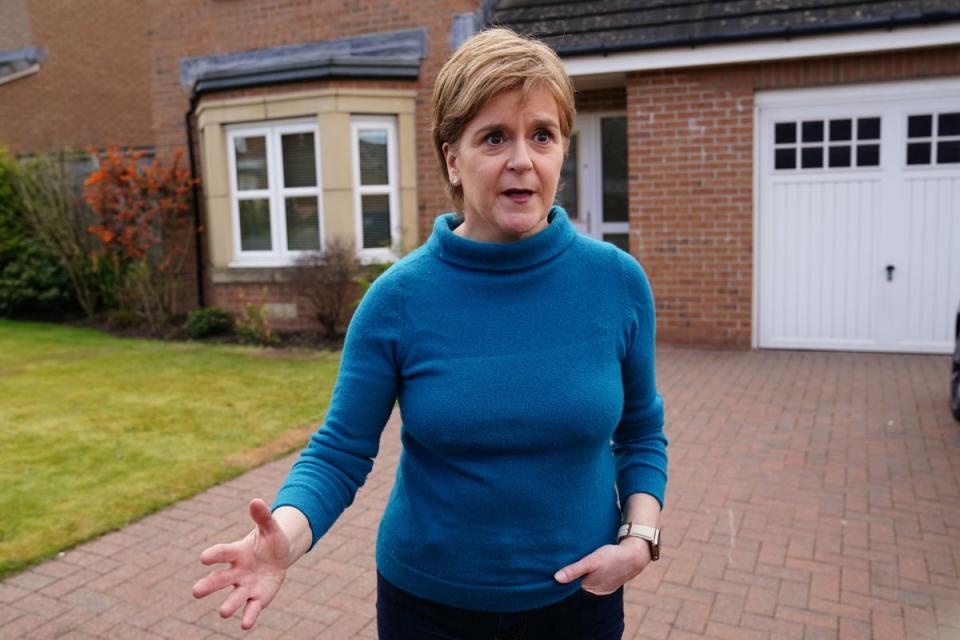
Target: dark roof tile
[{"x": 580, "y": 27}]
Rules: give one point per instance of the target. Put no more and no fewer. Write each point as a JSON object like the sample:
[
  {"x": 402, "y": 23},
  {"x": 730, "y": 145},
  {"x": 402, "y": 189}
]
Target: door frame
[{"x": 590, "y": 176}]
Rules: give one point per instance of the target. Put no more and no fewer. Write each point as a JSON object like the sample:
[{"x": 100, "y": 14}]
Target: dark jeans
[{"x": 582, "y": 616}]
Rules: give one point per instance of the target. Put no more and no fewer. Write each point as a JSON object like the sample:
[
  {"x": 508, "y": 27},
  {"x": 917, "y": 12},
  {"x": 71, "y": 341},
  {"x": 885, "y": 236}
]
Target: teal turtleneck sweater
[{"x": 525, "y": 377}]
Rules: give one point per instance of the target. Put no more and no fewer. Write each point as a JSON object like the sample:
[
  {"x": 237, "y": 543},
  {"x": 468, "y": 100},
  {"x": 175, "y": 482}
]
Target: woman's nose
[{"x": 519, "y": 159}]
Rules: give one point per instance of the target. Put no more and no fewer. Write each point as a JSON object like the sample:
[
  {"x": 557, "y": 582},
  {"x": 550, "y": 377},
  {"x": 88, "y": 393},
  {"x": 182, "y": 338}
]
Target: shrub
[
  {"x": 209, "y": 321},
  {"x": 254, "y": 327},
  {"x": 56, "y": 218},
  {"x": 32, "y": 282},
  {"x": 326, "y": 280},
  {"x": 121, "y": 319},
  {"x": 143, "y": 223}
]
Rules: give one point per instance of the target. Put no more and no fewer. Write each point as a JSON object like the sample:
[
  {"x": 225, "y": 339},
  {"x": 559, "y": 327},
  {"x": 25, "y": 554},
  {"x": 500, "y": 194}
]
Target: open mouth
[{"x": 518, "y": 193}]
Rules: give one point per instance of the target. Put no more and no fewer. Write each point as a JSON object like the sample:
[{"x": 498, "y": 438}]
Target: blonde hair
[{"x": 486, "y": 65}]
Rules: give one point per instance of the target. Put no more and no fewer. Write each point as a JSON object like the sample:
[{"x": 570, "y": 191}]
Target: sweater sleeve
[
  {"x": 639, "y": 444},
  {"x": 335, "y": 463}
]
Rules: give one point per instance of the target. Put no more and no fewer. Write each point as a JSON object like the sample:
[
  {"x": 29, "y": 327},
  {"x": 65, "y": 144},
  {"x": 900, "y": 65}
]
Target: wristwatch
[{"x": 650, "y": 534}]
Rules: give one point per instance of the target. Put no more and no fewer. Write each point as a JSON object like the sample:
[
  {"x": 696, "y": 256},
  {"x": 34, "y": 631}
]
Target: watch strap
[{"x": 650, "y": 534}]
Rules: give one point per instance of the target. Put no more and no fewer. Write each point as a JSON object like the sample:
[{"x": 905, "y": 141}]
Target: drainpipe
[{"x": 198, "y": 236}]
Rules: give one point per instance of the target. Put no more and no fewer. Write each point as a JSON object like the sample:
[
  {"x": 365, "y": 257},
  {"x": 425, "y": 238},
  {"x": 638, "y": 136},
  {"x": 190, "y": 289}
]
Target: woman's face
[{"x": 508, "y": 161}]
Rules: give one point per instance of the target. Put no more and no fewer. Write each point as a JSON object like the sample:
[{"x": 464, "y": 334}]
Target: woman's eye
[
  {"x": 542, "y": 136},
  {"x": 495, "y": 138}
]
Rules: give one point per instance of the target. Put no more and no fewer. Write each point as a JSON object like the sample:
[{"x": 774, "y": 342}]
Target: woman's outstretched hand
[{"x": 258, "y": 564}]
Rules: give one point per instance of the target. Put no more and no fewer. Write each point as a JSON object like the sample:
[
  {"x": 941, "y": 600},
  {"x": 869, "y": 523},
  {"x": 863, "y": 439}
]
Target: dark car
[{"x": 955, "y": 371}]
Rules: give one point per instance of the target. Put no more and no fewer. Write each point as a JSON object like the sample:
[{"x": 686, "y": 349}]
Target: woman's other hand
[
  {"x": 258, "y": 564},
  {"x": 609, "y": 567}
]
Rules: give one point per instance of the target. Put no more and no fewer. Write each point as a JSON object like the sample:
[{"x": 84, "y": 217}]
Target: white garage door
[{"x": 858, "y": 219}]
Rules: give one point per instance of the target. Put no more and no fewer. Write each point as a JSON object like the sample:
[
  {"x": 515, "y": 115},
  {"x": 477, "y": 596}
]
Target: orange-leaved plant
[{"x": 143, "y": 222}]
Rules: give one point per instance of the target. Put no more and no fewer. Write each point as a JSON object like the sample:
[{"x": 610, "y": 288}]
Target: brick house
[
  {"x": 788, "y": 177},
  {"x": 67, "y": 82}
]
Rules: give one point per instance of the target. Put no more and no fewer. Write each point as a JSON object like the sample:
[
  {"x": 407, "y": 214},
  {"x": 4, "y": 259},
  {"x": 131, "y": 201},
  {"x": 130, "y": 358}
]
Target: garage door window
[
  {"x": 933, "y": 138},
  {"x": 838, "y": 143}
]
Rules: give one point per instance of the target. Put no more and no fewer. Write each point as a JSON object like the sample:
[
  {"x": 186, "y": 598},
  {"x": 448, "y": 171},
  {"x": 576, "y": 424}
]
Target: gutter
[{"x": 354, "y": 67}]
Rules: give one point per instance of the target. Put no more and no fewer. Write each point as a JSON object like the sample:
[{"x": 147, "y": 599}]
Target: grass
[{"x": 97, "y": 431}]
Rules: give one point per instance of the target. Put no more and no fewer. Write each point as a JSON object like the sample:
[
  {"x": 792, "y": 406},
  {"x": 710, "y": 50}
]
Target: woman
[{"x": 522, "y": 357}]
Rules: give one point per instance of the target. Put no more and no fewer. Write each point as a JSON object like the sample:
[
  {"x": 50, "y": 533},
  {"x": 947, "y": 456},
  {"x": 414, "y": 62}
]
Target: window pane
[
  {"x": 811, "y": 157},
  {"x": 613, "y": 133},
  {"x": 948, "y": 124},
  {"x": 376, "y": 221},
  {"x": 299, "y": 160},
  {"x": 841, "y": 129},
  {"x": 785, "y": 159},
  {"x": 919, "y": 126},
  {"x": 948, "y": 152},
  {"x": 255, "y": 225},
  {"x": 813, "y": 131},
  {"x": 251, "y": 155},
  {"x": 840, "y": 156},
  {"x": 868, "y": 129},
  {"x": 303, "y": 224},
  {"x": 868, "y": 155},
  {"x": 620, "y": 240},
  {"x": 373, "y": 157},
  {"x": 567, "y": 194},
  {"x": 918, "y": 153},
  {"x": 785, "y": 132}
]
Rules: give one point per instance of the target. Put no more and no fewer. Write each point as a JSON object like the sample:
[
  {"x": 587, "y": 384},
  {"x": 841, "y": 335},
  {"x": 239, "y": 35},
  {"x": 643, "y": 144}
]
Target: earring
[{"x": 454, "y": 180}]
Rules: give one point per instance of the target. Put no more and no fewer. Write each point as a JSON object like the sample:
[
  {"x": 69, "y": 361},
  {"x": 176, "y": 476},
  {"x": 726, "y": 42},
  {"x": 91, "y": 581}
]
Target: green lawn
[{"x": 97, "y": 431}]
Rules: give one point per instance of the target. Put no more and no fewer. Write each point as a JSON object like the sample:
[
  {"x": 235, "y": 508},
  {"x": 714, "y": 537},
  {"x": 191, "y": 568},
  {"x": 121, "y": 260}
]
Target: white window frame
[
  {"x": 826, "y": 143},
  {"x": 932, "y": 139},
  {"x": 275, "y": 193},
  {"x": 389, "y": 124}
]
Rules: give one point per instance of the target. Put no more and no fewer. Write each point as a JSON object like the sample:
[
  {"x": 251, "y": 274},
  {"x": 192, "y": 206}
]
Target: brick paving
[{"x": 812, "y": 495}]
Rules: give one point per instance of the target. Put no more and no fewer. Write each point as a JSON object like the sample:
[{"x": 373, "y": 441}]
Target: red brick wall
[
  {"x": 601, "y": 99},
  {"x": 234, "y": 296},
  {"x": 691, "y": 179},
  {"x": 92, "y": 86}
]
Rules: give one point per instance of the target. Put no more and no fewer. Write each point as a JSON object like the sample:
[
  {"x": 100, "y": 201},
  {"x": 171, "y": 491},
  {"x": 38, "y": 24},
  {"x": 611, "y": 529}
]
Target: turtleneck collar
[{"x": 507, "y": 256}]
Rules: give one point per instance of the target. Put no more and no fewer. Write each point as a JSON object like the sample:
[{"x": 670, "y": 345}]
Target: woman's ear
[{"x": 450, "y": 155}]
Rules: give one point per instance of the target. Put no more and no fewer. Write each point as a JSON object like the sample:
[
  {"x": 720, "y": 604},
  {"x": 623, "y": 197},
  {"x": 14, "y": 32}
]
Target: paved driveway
[{"x": 811, "y": 495}]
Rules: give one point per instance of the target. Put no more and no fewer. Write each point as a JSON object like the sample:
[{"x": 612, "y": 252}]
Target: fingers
[
  {"x": 260, "y": 513},
  {"x": 250, "y": 613},
  {"x": 221, "y": 553},
  {"x": 576, "y": 570},
  {"x": 214, "y": 582},
  {"x": 233, "y": 602}
]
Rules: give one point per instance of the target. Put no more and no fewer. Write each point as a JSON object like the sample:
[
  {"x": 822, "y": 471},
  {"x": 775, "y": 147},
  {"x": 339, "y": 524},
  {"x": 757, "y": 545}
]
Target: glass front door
[{"x": 593, "y": 186}]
